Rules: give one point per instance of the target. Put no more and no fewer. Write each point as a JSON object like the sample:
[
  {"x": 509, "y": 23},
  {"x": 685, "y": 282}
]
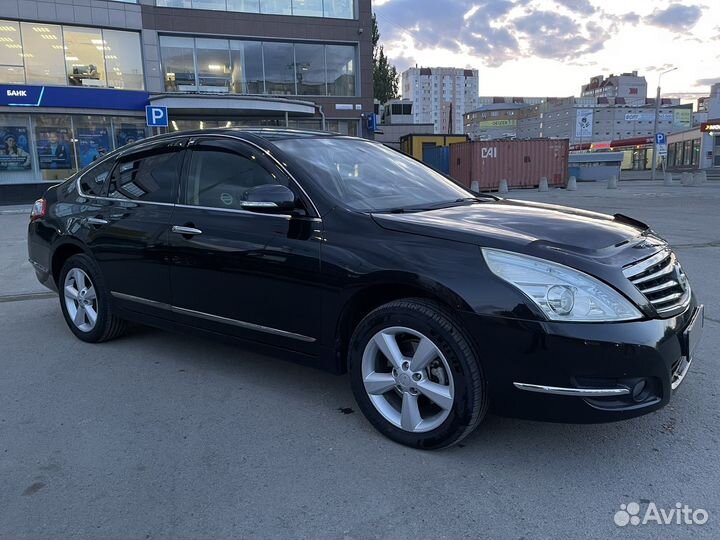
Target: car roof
[{"x": 268, "y": 134}]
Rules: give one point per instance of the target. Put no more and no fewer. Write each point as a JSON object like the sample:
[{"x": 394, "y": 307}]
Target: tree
[{"x": 385, "y": 76}]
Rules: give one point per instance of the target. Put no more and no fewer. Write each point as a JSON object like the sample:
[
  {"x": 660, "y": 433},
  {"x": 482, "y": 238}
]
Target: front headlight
[{"x": 563, "y": 294}]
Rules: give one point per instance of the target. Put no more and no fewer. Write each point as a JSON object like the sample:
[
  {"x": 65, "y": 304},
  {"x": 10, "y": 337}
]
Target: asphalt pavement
[{"x": 157, "y": 435}]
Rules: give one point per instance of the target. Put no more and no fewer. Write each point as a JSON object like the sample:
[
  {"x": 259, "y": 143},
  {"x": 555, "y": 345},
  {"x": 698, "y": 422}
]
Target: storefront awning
[{"x": 215, "y": 105}]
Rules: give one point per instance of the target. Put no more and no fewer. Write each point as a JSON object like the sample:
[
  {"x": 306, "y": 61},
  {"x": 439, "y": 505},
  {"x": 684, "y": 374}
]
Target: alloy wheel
[
  {"x": 407, "y": 379},
  {"x": 80, "y": 300}
]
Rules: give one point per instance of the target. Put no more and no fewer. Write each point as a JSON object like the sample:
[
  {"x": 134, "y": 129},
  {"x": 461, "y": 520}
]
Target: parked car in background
[{"x": 343, "y": 254}]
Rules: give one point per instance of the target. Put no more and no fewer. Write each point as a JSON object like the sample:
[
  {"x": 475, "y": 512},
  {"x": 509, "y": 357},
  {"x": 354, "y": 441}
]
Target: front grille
[{"x": 661, "y": 279}]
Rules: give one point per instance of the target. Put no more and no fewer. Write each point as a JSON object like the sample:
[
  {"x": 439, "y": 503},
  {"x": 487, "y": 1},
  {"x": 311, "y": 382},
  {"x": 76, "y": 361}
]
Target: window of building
[
  {"x": 276, "y": 7},
  {"x": 12, "y": 70},
  {"x": 178, "y": 58},
  {"x": 310, "y": 69},
  {"x": 339, "y": 9},
  {"x": 16, "y": 160},
  {"x": 308, "y": 8},
  {"x": 54, "y": 146},
  {"x": 123, "y": 60},
  {"x": 209, "y": 4},
  {"x": 43, "y": 53},
  {"x": 152, "y": 175},
  {"x": 128, "y": 130},
  {"x": 93, "y": 138},
  {"x": 246, "y": 74},
  {"x": 341, "y": 70},
  {"x": 246, "y": 6},
  {"x": 84, "y": 56},
  {"x": 212, "y": 58},
  {"x": 279, "y": 62}
]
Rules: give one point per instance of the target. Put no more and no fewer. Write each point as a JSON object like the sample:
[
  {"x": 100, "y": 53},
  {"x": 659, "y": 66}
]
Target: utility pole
[{"x": 655, "y": 129}]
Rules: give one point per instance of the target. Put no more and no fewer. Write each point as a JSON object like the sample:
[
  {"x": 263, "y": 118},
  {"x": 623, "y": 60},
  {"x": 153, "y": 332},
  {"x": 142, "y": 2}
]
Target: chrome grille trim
[{"x": 661, "y": 280}]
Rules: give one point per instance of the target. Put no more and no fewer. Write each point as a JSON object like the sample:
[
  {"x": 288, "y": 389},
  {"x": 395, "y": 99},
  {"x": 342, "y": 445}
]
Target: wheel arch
[
  {"x": 61, "y": 253},
  {"x": 373, "y": 295}
]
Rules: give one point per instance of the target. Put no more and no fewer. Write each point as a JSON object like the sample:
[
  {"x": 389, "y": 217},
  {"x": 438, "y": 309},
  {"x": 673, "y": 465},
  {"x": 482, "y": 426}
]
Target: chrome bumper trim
[{"x": 577, "y": 392}]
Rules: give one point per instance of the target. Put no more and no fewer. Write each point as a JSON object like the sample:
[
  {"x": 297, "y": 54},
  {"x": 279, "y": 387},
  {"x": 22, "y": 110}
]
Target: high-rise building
[
  {"x": 441, "y": 96},
  {"x": 76, "y": 75}
]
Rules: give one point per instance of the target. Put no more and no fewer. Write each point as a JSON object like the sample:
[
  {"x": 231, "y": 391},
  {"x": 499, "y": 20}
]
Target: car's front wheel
[
  {"x": 415, "y": 375},
  {"x": 85, "y": 301}
]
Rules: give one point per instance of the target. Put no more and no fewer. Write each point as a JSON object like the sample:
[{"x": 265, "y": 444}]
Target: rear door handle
[
  {"x": 97, "y": 221},
  {"x": 186, "y": 231}
]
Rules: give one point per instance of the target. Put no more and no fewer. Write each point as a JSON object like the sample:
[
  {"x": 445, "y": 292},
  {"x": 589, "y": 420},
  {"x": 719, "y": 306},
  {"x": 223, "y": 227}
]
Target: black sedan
[{"x": 343, "y": 254}]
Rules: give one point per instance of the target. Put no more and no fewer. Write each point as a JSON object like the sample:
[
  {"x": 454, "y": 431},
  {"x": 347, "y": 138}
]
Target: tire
[
  {"x": 81, "y": 273},
  {"x": 433, "y": 393}
]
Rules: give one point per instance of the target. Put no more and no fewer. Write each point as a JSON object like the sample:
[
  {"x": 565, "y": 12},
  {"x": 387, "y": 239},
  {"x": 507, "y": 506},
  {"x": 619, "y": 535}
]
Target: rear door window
[
  {"x": 151, "y": 174},
  {"x": 94, "y": 181}
]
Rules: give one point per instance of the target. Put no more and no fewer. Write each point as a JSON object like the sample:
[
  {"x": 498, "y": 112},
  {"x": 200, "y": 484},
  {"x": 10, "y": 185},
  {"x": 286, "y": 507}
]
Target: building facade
[
  {"x": 441, "y": 96},
  {"x": 76, "y": 75},
  {"x": 625, "y": 85}
]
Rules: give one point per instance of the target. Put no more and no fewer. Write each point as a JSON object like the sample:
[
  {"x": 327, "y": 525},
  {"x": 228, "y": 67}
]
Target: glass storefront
[
  {"x": 50, "y": 54},
  {"x": 51, "y": 147},
  {"x": 254, "y": 67},
  {"x": 333, "y": 9},
  {"x": 684, "y": 154}
]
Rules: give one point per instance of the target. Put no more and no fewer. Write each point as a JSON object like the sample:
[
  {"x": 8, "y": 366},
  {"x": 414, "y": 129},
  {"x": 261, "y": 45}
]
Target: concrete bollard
[
  {"x": 699, "y": 178},
  {"x": 668, "y": 179},
  {"x": 686, "y": 179},
  {"x": 572, "y": 184},
  {"x": 503, "y": 186},
  {"x": 613, "y": 182},
  {"x": 543, "y": 184},
  {"x": 475, "y": 186}
]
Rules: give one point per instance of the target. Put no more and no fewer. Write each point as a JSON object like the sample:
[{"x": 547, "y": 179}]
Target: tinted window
[
  {"x": 94, "y": 180},
  {"x": 152, "y": 175},
  {"x": 219, "y": 176}
]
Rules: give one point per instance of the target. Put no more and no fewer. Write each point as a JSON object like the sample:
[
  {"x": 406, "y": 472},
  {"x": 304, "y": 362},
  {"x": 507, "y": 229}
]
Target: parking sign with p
[{"x": 156, "y": 116}]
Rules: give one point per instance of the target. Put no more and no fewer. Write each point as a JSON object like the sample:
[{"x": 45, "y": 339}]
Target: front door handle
[
  {"x": 186, "y": 231},
  {"x": 96, "y": 221}
]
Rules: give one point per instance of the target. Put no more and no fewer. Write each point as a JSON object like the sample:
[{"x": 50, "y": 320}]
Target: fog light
[
  {"x": 561, "y": 299},
  {"x": 638, "y": 389}
]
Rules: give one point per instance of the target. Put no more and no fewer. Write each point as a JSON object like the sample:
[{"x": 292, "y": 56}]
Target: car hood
[{"x": 529, "y": 227}]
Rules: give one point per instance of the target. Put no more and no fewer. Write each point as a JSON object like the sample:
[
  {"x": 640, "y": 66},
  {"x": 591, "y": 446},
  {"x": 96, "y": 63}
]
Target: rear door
[
  {"x": 129, "y": 237},
  {"x": 250, "y": 274}
]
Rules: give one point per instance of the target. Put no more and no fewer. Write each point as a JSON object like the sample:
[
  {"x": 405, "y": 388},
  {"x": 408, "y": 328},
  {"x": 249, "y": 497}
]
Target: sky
[{"x": 551, "y": 47}]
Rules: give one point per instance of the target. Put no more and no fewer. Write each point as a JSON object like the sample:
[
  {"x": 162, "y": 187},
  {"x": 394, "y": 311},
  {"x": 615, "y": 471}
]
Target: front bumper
[{"x": 584, "y": 372}]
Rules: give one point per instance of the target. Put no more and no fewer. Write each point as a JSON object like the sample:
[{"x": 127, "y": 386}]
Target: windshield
[{"x": 370, "y": 177}]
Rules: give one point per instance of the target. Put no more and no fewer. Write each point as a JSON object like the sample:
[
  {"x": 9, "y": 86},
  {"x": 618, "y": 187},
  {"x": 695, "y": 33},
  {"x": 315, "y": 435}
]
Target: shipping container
[
  {"x": 521, "y": 163},
  {"x": 413, "y": 144},
  {"x": 437, "y": 157}
]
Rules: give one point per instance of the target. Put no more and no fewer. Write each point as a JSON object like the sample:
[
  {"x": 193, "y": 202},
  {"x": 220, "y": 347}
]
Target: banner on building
[
  {"x": 584, "y": 124},
  {"x": 649, "y": 117},
  {"x": 93, "y": 143},
  {"x": 53, "y": 147},
  {"x": 14, "y": 149},
  {"x": 682, "y": 118},
  {"x": 128, "y": 135},
  {"x": 485, "y": 124}
]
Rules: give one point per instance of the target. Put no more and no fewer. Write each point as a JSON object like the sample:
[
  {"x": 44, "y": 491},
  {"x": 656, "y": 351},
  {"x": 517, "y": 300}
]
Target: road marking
[{"x": 26, "y": 296}]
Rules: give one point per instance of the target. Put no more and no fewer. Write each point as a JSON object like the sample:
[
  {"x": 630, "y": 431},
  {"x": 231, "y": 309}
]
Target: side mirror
[{"x": 269, "y": 198}]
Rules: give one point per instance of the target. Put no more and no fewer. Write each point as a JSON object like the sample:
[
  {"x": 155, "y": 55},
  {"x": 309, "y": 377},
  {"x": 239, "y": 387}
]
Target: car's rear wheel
[
  {"x": 84, "y": 300},
  {"x": 415, "y": 375}
]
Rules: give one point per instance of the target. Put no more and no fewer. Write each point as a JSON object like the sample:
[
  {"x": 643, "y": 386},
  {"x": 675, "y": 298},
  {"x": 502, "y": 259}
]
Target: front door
[{"x": 253, "y": 275}]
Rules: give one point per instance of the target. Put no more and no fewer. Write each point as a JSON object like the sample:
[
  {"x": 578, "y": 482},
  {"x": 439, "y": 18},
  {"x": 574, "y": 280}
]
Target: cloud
[
  {"x": 578, "y": 6},
  {"x": 676, "y": 17},
  {"x": 707, "y": 82}
]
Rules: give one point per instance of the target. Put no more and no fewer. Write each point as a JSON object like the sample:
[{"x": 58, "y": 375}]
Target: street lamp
[{"x": 655, "y": 129}]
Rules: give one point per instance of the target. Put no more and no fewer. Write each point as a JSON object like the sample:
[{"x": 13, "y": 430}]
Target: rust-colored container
[{"x": 521, "y": 163}]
